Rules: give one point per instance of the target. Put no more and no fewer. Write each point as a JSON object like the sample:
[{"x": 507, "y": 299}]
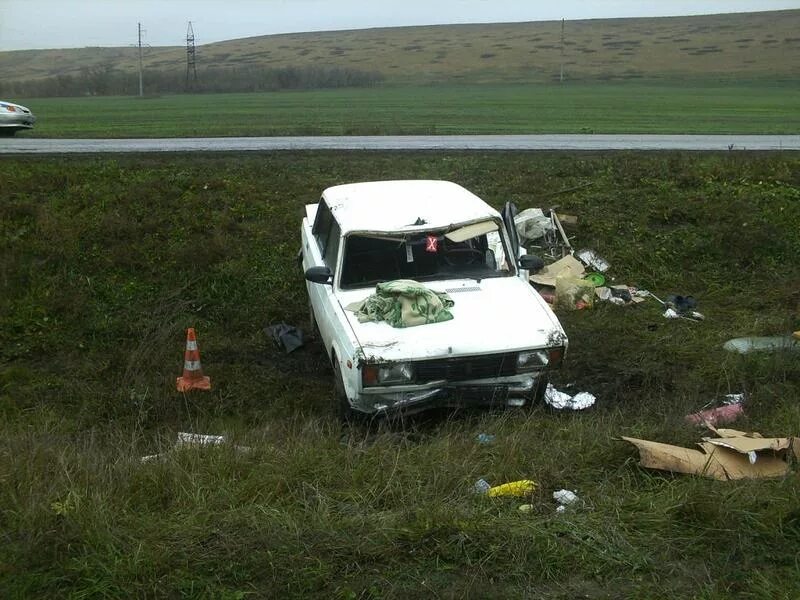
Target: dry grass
[{"x": 104, "y": 261}]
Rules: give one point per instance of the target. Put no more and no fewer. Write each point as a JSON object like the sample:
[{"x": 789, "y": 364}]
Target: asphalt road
[{"x": 23, "y": 145}]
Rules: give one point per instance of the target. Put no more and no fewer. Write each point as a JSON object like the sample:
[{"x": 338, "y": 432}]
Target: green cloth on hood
[{"x": 405, "y": 303}]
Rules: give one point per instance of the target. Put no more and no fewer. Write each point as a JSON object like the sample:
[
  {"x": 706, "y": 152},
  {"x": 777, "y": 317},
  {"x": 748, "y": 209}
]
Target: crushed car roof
[{"x": 400, "y": 205}]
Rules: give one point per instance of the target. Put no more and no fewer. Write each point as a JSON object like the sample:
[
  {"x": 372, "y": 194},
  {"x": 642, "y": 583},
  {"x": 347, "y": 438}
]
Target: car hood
[{"x": 494, "y": 315}]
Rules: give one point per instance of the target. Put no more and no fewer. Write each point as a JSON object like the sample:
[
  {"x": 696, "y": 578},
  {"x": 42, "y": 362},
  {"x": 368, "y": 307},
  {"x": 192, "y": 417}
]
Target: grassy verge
[
  {"x": 516, "y": 109},
  {"x": 105, "y": 261}
]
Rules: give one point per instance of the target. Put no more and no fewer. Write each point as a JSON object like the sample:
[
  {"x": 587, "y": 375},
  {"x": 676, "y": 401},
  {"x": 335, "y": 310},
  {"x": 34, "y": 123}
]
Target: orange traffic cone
[{"x": 193, "y": 378}]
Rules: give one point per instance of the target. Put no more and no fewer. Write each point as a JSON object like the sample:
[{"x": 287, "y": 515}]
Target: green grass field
[
  {"x": 515, "y": 109},
  {"x": 105, "y": 261}
]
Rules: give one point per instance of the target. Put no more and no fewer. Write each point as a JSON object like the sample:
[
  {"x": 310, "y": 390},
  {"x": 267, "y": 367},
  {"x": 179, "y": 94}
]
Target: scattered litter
[
  {"x": 561, "y": 400},
  {"x": 573, "y": 293},
  {"x": 596, "y": 279},
  {"x": 515, "y": 488},
  {"x": 532, "y": 224},
  {"x": 568, "y": 265},
  {"x": 481, "y": 487},
  {"x": 716, "y": 416},
  {"x": 568, "y": 220},
  {"x": 198, "y": 439},
  {"x": 565, "y": 497},
  {"x": 193, "y": 440},
  {"x": 485, "y": 438},
  {"x": 591, "y": 259},
  {"x": 525, "y": 508},
  {"x": 622, "y": 295},
  {"x": 286, "y": 336},
  {"x": 762, "y": 344},
  {"x": 679, "y": 307},
  {"x": 734, "y": 398},
  {"x": 192, "y": 378},
  {"x": 732, "y": 455}
]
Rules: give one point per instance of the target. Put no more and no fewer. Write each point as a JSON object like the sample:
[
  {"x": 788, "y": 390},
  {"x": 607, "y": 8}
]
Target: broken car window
[{"x": 473, "y": 251}]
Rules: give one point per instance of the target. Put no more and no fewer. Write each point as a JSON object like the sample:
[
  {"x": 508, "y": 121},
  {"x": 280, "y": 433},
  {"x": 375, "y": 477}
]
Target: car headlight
[
  {"x": 387, "y": 374},
  {"x": 532, "y": 360}
]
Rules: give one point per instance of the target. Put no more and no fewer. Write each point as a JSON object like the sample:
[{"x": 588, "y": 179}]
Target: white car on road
[
  {"x": 503, "y": 338},
  {"x": 14, "y": 117}
]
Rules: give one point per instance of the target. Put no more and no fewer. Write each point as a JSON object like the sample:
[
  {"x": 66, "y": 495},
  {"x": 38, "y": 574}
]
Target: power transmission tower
[
  {"x": 141, "y": 87},
  {"x": 191, "y": 69}
]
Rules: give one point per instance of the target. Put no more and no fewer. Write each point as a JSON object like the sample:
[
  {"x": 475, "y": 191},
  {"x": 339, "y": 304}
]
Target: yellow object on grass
[{"x": 515, "y": 488}]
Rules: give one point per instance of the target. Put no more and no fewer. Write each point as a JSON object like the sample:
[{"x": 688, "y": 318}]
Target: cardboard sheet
[
  {"x": 734, "y": 455},
  {"x": 569, "y": 265}
]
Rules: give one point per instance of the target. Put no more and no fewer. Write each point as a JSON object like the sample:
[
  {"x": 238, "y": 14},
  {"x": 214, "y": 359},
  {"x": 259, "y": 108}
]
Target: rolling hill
[{"x": 742, "y": 46}]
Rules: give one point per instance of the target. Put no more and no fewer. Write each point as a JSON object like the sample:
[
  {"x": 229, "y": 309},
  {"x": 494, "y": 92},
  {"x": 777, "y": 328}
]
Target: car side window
[
  {"x": 322, "y": 225},
  {"x": 332, "y": 247},
  {"x": 327, "y": 233}
]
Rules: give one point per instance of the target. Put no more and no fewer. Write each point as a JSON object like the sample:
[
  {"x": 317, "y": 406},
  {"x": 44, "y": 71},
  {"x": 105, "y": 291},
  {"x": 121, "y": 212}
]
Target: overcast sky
[{"x": 26, "y": 24}]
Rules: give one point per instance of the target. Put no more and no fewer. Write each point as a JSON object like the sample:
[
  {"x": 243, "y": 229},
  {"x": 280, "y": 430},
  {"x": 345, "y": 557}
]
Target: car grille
[{"x": 467, "y": 367}]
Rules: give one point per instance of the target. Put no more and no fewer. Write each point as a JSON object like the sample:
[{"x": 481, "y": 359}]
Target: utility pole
[
  {"x": 141, "y": 87},
  {"x": 561, "y": 78},
  {"x": 191, "y": 69}
]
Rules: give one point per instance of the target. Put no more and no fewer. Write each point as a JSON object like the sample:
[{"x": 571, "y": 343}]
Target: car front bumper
[
  {"x": 16, "y": 120},
  {"x": 515, "y": 390}
]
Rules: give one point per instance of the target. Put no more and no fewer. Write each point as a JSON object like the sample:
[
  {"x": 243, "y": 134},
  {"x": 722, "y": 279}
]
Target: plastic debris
[
  {"x": 518, "y": 489},
  {"x": 716, "y": 416},
  {"x": 192, "y": 440},
  {"x": 198, "y": 439},
  {"x": 562, "y": 400},
  {"x": 574, "y": 293},
  {"x": 565, "y": 497},
  {"x": 485, "y": 438},
  {"x": 762, "y": 344},
  {"x": 481, "y": 487},
  {"x": 532, "y": 224},
  {"x": 525, "y": 508},
  {"x": 289, "y": 337},
  {"x": 592, "y": 259}
]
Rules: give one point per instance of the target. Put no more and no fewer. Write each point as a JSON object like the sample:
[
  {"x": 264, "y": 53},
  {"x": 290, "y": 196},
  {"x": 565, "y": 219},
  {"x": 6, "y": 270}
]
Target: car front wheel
[
  {"x": 537, "y": 396},
  {"x": 341, "y": 404}
]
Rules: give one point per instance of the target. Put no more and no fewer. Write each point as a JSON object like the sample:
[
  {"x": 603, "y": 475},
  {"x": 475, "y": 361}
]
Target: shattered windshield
[{"x": 474, "y": 251}]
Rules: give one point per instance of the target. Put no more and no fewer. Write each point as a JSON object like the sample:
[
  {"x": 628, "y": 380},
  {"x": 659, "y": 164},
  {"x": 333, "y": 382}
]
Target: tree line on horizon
[{"x": 104, "y": 80}]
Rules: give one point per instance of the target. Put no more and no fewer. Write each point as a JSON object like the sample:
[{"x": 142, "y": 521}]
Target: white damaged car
[{"x": 503, "y": 339}]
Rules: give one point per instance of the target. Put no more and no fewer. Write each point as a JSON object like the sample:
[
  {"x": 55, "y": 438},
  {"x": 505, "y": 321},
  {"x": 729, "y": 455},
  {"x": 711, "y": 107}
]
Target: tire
[
  {"x": 341, "y": 404},
  {"x": 537, "y": 397},
  {"x": 312, "y": 320}
]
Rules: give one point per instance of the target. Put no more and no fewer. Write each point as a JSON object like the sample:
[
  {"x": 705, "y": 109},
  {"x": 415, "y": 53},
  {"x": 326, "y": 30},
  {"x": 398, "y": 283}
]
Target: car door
[{"x": 509, "y": 212}]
